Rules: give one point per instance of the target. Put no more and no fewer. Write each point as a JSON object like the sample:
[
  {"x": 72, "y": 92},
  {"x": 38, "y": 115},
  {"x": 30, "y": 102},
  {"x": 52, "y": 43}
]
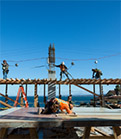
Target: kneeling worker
[
  {"x": 55, "y": 104},
  {"x": 63, "y": 105}
]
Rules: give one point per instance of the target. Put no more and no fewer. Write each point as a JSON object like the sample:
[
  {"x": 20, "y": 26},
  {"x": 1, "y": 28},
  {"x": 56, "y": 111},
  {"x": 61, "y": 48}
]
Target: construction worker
[
  {"x": 55, "y": 104},
  {"x": 96, "y": 73},
  {"x": 5, "y": 69},
  {"x": 64, "y": 105},
  {"x": 51, "y": 106},
  {"x": 63, "y": 69}
]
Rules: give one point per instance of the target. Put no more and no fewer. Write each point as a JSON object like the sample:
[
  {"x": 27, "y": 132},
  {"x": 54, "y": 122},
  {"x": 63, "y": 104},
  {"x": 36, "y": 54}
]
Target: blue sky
[{"x": 79, "y": 29}]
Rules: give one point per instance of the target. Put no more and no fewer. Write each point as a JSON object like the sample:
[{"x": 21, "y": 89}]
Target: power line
[
  {"x": 89, "y": 58},
  {"x": 68, "y": 59}
]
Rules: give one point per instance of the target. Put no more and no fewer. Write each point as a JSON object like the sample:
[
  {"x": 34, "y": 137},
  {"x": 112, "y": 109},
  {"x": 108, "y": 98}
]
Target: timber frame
[
  {"x": 66, "y": 82},
  {"x": 75, "y": 82}
]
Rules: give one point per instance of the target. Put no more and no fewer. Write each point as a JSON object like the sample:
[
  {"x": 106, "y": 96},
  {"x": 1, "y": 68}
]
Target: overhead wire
[
  {"x": 69, "y": 59},
  {"x": 89, "y": 58}
]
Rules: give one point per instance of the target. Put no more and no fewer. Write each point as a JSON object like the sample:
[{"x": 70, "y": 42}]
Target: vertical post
[
  {"x": 22, "y": 102},
  {"x": 6, "y": 90},
  {"x": 26, "y": 90},
  {"x": 44, "y": 93},
  {"x": 101, "y": 95},
  {"x": 59, "y": 91},
  {"x": 35, "y": 96},
  {"x": 69, "y": 89},
  {"x": 94, "y": 104}
]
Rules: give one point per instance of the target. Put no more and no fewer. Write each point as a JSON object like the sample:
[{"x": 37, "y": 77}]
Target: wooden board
[{"x": 28, "y": 118}]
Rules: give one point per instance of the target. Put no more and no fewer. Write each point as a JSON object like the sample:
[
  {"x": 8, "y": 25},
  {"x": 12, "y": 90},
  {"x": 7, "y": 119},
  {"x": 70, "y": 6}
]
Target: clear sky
[{"x": 82, "y": 32}]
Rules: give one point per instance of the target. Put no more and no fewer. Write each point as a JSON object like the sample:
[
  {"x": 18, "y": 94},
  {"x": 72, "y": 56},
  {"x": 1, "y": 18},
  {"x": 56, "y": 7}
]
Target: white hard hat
[
  {"x": 96, "y": 61},
  {"x": 62, "y": 63}
]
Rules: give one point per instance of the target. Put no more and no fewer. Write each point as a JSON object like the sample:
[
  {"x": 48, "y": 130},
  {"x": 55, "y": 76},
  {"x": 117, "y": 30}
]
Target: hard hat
[
  {"x": 96, "y": 61},
  {"x": 62, "y": 63}
]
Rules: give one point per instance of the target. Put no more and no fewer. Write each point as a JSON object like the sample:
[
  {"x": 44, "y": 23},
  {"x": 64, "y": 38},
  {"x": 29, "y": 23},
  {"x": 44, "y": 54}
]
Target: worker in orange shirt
[
  {"x": 56, "y": 104},
  {"x": 64, "y": 105},
  {"x": 63, "y": 69}
]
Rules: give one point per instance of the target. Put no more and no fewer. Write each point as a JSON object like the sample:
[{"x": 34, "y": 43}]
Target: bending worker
[
  {"x": 96, "y": 73},
  {"x": 63, "y": 69},
  {"x": 64, "y": 105},
  {"x": 56, "y": 104}
]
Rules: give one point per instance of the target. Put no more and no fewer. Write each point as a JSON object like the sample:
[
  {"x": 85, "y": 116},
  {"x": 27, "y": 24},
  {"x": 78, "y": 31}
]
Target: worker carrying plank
[
  {"x": 5, "y": 69},
  {"x": 55, "y": 104},
  {"x": 63, "y": 69},
  {"x": 96, "y": 73}
]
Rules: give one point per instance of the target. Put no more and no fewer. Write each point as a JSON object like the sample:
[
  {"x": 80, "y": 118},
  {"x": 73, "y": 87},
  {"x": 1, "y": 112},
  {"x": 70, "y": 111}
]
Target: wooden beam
[
  {"x": 69, "y": 89},
  {"x": 94, "y": 96},
  {"x": 86, "y": 132},
  {"x": 101, "y": 95},
  {"x": 87, "y": 90},
  {"x": 5, "y": 104},
  {"x": 10, "y": 99},
  {"x": 44, "y": 93},
  {"x": 101, "y": 132},
  {"x": 100, "y": 137},
  {"x": 6, "y": 90},
  {"x": 22, "y": 99},
  {"x": 73, "y": 81},
  {"x": 26, "y": 89},
  {"x": 117, "y": 132},
  {"x": 18, "y": 136},
  {"x": 59, "y": 91},
  {"x": 3, "y": 133},
  {"x": 33, "y": 133},
  {"x": 35, "y": 96}
]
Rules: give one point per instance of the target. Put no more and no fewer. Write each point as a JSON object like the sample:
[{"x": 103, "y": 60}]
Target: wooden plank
[
  {"x": 33, "y": 133},
  {"x": 101, "y": 95},
  {"x": 86, "y": 132},
  {"x": 3, "y": 133},
  {"x": 73, "y": 81},
  {"x": 59, "y": 91},
  {"x": 26, "y": 90},
  {"x": 22, "y": 99},
  {"x": 18, "y": 136},
  {"x": 101, "y": 132},
  {"x": 94, "y": 96},
  {"x": 44, "y": 93},
  {"x": 6, "y": 90},
  {"x": 5, "y": 104},
  {"x": 69, "y": 89},
  {"x": 35, "y": 96},
  {"x": 117, "y": 132},
  {"x": 10, "y": 99},
  {"x": 87, "y": 90},
  {"x": 101, "y": 137}
]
